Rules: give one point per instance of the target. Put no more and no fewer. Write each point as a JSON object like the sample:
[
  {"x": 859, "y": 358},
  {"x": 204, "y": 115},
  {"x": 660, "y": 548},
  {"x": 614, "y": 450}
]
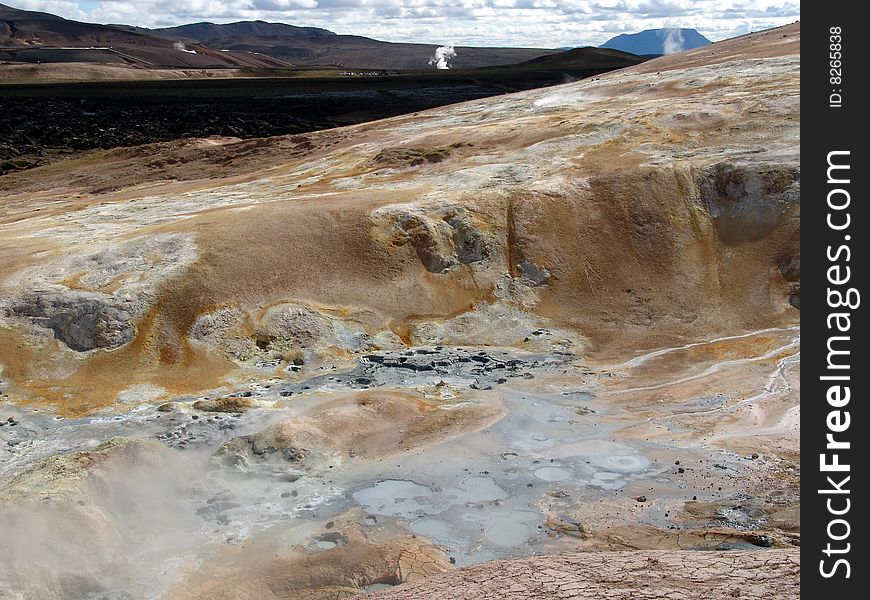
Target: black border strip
[{"x": 836, "y": 261}]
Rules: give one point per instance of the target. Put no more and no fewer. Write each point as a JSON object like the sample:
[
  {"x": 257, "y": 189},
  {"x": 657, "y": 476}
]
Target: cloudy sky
[{"x": 533, "y": 23}]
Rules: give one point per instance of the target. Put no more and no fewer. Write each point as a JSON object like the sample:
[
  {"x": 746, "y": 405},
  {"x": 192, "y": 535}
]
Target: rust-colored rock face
[{"x": 564, "y": 320}]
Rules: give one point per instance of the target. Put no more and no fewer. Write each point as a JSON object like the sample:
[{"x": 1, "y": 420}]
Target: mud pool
[{"x": 489, "y": 493}]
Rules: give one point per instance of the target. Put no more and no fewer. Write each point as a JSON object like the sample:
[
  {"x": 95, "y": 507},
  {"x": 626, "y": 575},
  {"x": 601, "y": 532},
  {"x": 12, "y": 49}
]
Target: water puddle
[
  {"x": 552, "y": 473},
  {"x": 514, "y": 529},
  {"x": 435, "y": 529},
  {"x": 394, "y": 498}
]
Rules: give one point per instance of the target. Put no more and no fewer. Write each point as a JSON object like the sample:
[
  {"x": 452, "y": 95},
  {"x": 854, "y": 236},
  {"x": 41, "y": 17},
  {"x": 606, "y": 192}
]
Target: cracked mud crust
[{"x": 618, "y": 576}]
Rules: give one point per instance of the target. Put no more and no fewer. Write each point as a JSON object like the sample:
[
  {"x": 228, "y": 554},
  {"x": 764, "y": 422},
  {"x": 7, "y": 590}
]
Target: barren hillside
[{"x": 660, "y": 204}]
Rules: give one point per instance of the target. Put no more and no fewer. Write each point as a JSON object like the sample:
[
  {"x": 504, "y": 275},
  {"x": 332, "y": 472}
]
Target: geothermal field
[{"x": 543, "y": 344}]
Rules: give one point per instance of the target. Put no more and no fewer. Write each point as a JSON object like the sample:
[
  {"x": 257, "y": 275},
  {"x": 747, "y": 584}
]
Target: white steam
[
  {"x": 120, "y": 529},
  {"x": 674, "y": 41},
  {"x": 443, "y": 56},
  {"x": 182, "y": 48}
]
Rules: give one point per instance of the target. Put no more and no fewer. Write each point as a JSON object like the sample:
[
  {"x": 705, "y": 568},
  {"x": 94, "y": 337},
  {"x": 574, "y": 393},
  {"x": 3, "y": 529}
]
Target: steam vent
[{"x": 543, "y": 344}]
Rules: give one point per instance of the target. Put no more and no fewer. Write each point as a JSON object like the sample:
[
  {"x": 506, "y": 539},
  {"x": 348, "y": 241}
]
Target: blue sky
[{"x": 536, "y": 23}]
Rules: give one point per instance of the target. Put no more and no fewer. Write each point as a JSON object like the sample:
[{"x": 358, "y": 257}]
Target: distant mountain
[
  {"x": 36, "y": 37},
  {"x": 206, "y": 32},
  {"x": 30, "y": 37},
  {"x": 28, "y": 28},
  {"x": 657, "y": 41},
  {"x": 309, "y": 46}
]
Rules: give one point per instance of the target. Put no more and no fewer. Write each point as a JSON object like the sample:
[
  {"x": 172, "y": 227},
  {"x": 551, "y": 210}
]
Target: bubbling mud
[{"x": 511, "y": 486}]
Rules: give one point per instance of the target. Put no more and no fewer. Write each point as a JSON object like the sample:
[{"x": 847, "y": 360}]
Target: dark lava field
[{"x": 39, "y": 122}]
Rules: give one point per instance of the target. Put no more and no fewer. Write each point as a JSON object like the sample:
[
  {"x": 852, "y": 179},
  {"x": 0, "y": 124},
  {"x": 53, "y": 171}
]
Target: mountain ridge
[
  {"x": 239, "y": 44},
  {"x": 657, "y": 41}
]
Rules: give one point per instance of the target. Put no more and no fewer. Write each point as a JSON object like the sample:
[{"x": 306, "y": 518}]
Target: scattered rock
[
  {"x": 412, "y": 157},
  {"x": 444, "y": 237},
  {"x": 533, "y": 275},
  {"x": 748, "y": 202},
  {"x": 225, "y": 404},
  {"x": 566, "y": 525},
  {"x": 81, "y": 320},
  {"x": 791, "y": 270}
]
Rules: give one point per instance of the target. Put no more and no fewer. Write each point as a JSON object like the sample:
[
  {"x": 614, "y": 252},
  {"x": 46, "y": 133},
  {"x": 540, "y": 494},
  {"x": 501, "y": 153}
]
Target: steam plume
[
  {"x": 443, "y": 55},
  {"x": 674, "y": 41},
  {"x": 182, "y": 48}
]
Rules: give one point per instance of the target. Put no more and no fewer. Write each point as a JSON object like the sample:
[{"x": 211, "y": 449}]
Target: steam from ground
[
  {"x": 115, "y": 536},
  {"x": 674, "y": 41},
  {"x": 181, "y": 47},
  {"x": 124, "y": 522},
  {"x": 443, "y": 56}
]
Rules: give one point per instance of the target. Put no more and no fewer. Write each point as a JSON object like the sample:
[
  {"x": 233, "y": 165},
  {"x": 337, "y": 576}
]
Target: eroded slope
[{"x": 632, "y": 209}]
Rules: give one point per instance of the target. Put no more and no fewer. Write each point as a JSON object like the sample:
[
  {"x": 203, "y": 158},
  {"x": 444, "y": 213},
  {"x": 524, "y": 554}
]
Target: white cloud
[
  {"x": 65, "y": 8},
  {"x": 535, "y": 23}
]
